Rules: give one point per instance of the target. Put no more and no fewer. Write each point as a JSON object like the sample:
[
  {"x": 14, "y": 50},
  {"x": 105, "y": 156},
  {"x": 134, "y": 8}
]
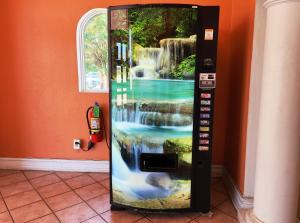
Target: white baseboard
[
  {"x": 70, "y": 165},
  {"x": 238, "y": 200},
  {"x": 54, "y": 165}
]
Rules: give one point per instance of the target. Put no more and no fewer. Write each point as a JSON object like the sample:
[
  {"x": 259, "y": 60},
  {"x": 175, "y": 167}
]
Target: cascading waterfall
[
  {"x": 174, "y": 50},
  {"x": 153, "y": 63},
  {"x": 151, "y": 117},
  {"x": 135, "y": 183},
  {"x": 147, "y": 63}
]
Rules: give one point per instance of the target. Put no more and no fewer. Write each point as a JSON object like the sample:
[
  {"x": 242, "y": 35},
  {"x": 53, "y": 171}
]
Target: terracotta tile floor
[{"x": 69, "y": 197}]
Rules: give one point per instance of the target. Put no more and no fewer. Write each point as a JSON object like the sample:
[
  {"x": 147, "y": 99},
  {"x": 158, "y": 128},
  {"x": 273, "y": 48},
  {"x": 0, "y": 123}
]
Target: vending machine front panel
[{"x": 154, "y": 86}]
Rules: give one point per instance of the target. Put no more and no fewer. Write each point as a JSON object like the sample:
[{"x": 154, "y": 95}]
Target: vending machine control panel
[{"x": 207, "y": 83}]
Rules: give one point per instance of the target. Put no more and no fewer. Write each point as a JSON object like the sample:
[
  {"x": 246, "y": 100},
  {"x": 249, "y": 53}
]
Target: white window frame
[{"x": 84, "y": 20}]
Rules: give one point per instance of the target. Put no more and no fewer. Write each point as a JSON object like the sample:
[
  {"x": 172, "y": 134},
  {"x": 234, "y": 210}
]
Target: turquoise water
[
  {"x": 127, "y": 178},
  {"x": 154, "y": 132},
  {"x": 157, "y": 90}
]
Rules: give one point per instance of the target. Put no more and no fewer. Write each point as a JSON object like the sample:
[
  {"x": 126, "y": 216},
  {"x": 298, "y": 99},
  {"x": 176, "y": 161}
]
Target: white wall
[{"x": 254, "y": 97}]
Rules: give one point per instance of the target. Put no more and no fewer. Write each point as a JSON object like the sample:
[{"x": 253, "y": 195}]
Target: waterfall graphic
[
  {"x": 141, "y": 185},
  {"x": 157, "y": 115},
  {"x": 153, "y": 114},
  {"x": 154, "y": 63}
]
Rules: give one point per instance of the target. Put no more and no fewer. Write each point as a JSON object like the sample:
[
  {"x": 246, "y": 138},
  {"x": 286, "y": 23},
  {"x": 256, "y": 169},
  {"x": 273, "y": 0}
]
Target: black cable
[
  {"x": 90, "y": 143},
  {"x": 102, "y": 119},
  {"x": 87, "y": 117},
  {"x": 85, "y": 150}
]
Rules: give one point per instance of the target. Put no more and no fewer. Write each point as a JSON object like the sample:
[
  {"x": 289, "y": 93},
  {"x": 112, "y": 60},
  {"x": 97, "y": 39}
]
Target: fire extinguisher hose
[
  {"x": 90, "y": 143},
  {"x": 87, "y": 117}
]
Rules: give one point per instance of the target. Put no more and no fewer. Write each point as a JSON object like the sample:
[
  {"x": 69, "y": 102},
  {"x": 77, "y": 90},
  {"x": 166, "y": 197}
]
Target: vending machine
[{"x": 162, "y": 83}]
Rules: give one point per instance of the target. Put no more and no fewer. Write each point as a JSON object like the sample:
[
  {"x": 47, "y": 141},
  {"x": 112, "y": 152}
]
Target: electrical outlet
[{"x": 76, "y": 144}]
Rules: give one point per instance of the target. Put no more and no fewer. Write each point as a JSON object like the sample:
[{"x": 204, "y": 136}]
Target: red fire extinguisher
[{"x": 94, "y": 118}]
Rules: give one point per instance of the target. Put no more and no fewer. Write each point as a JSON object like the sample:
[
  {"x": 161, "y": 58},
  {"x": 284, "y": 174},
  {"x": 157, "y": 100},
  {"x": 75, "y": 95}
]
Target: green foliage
[
  {"x": 150, "y": 25},
  {"x": 186, "y": 23},
  {"x": 185, "y": 69},
  {"x": 178, "y": 145},
  {"x": 146, "y": 25},
  {"x": 95, "y": 45},
  {"x": 119, "y": 35}
]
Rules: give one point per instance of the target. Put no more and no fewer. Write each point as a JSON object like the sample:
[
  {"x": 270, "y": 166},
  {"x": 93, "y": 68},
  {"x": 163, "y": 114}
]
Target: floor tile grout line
[
  {"x": 74, "y": 188},
  {"x": 228, "y": 199},
  {"x": 57, "y": 194},
  {"x": 43, "y": 185},
  {"x": 6, "y": 207},
  {"x": 12, "y": 209},
  {"x": 217, "y": 204},
  {"x": 221, "y": 192},
  {"x": 220, "y": 203},
  {"x": 92, "y": 218},
  {"x": 42, "y": 198},
  {"x": 215, "y": 208},
  {"x": 32, "y": 189},
  {"x": 39, "y": 218},
  {"x": 69, "y": 191},
  {"x": 53, "y": 172},
  {"x": 15, "y": 182},
  {"x": 106, "y": 192},
  {"x": 105, "y": 211},
  {"x": 148, "y": 218},
  {"x": 95, "y": 209},
  {"x": 144, "y": 216},
  {"x": 104, "y": 186},
  {"x": 224, "y": 193},
  {"x": 17, "y": 171},
  {"x": 19, "y": 193},
  {"x": 193, "y": 218},
  {"x": 67, "y": 207},
  {"x": 97, "y": 180},
  {"x": 90, "y": 185},
  {"x": 65, "y": 181},
  {"x": 25, "y": 205},
  {"x": 89, "y": 205},
  {"x": 36, "y": 177},
  {"x": 139, "y": 219},
  {"x": 80, "y": 187},
  {"x": 82, "y": 173},
  {"x": 1, "y": 198},
  {"x": 225, "y": 212},
  {"x": 84, "y": 202}
]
